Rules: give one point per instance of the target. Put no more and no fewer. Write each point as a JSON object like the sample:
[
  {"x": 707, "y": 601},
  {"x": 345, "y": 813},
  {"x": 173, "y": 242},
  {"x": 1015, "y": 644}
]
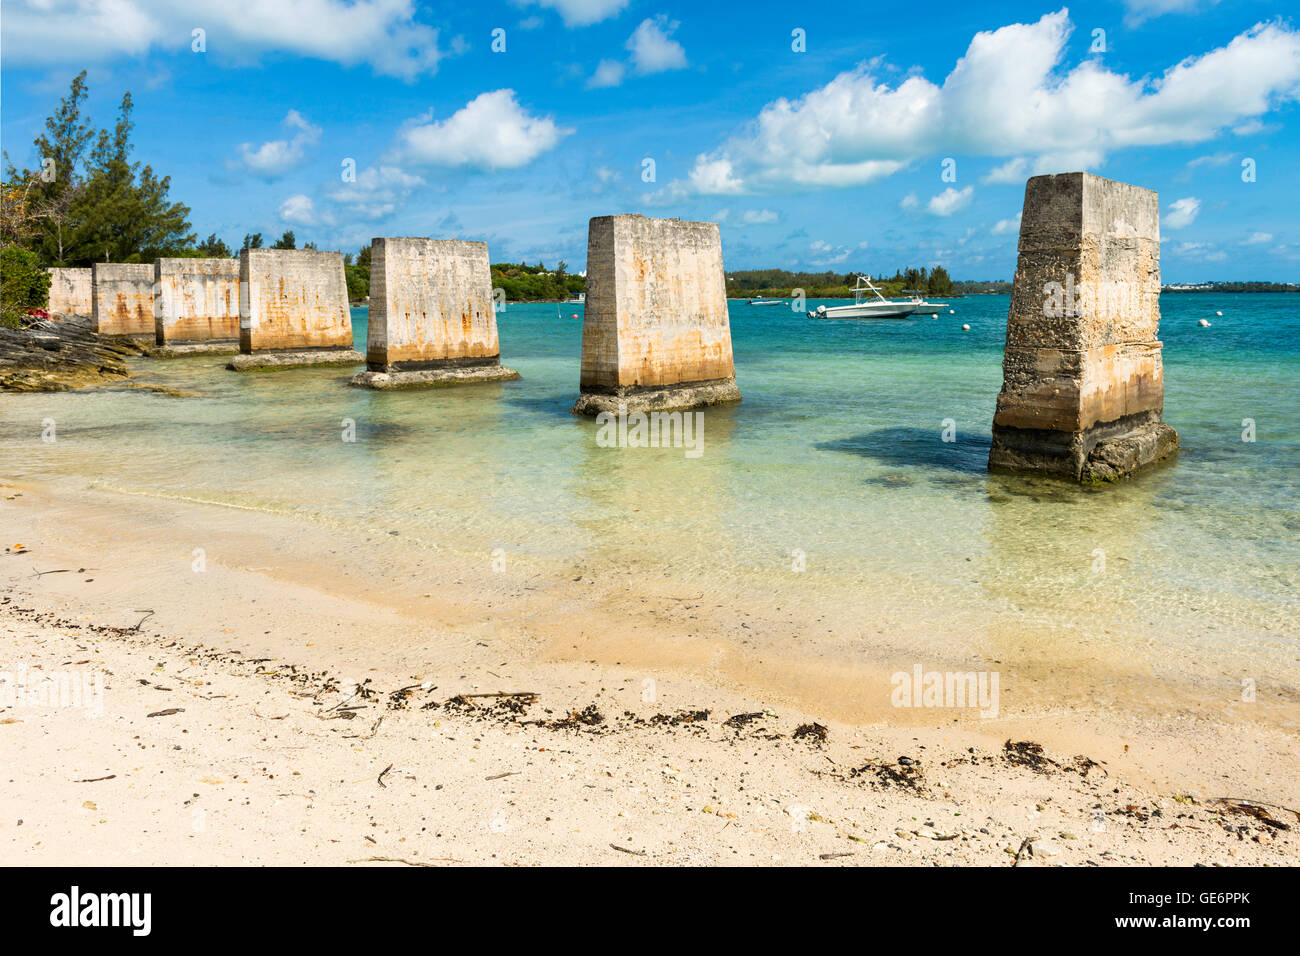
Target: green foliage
[
  {"x": 252, "y": 240},
  {"x": 214, "y": 248},
  {"x": 753, "y": 283},
  {"x": 287, "y": 241},
  {"x": 101, "y": 207},
  {"x": 525, "y": 283},
  {"x": 1235, "y": 287},
  {"x": 24, "y": 285},
  {"x": 358, "y": 282}
]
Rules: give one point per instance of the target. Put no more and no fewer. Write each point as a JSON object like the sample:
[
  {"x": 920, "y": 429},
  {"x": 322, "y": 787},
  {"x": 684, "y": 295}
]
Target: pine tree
[{"x": 118, "y": 219}]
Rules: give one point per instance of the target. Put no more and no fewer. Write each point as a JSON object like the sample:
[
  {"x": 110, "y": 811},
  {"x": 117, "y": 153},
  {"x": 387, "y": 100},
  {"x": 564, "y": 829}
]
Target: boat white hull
[{"x": 866, "y": 310}]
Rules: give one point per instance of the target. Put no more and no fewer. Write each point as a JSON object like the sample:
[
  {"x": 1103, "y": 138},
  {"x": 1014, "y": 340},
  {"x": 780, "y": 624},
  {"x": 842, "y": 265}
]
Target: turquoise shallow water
[{"x": 835, "y": 452}]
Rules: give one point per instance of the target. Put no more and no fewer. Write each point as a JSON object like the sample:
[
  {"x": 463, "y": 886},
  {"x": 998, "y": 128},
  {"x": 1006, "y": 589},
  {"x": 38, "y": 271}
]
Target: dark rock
[{"x": 59, "y": 356}]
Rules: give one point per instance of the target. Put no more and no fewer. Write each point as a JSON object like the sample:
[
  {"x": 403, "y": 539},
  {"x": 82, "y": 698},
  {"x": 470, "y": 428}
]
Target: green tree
[
  {"x": 23, "y": 285},
  {"x": 123, "y": 212},
  {"x": 287, "y": 241},
  {"x": 358, "y": 280},
  {"x": 214, "y": 248},
  {"x": 940, "y": 281},
  {"x": 252, "y": 240},
  {"x": 55, "y": 185}
]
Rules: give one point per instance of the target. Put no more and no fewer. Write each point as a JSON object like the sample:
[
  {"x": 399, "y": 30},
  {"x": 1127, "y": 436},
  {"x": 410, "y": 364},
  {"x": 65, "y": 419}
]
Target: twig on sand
[
  {"x": 167, "y": 713},
  {"x": 381, "y": 776},
  {"x": 373, "y": 730},
  {"x": 268, "y": 716},
  {"x": 55, "y": 571},
  {"x": 111, "y": 776},
  {"x": 147, "y": 614},
  {"x": 501, "y": 693},
  {"x": 1019, "y": 853},
  {"x": 832, "y": 856},
  {"x": 623, "y": 849},
  {"x": 508, "y": 773},
  {"x": 398, "y": 859}
]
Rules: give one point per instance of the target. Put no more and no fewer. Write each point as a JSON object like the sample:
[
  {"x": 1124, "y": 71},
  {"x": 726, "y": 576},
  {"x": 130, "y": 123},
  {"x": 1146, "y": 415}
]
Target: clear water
[{"x": 835, "y": 452}]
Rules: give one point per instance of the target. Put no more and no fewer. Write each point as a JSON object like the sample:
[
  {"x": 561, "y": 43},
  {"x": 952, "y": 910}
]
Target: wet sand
[{"x": 281, "y": 776}]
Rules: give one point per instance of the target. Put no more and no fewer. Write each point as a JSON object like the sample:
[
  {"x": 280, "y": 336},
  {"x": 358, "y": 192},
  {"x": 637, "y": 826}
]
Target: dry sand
[{"x": 232, "y": 730}]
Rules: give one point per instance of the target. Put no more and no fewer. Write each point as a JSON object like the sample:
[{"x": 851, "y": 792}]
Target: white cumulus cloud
[
  {"x": 1182, "y": 212},
  {"x": 1010, "y": 95},
  {"x": 278, "y": 156},
  {"x": 299, "y": 210},
  {"x": 950, "y": 201},
  {"x": 608, "y": 73},
  {"x": 1008, "y": 225},
  {"x": 378, "y": 192},
  {"x": 491, "y": 131},
  {"x": 382, "y": 33},
  {"x": 581, "y": 13},
  {"x": 653, "y": 48}
]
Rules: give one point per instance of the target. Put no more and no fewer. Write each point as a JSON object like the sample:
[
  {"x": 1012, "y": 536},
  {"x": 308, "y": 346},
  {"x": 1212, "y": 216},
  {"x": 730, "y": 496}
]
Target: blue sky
[{"x": 898, "y": 135}]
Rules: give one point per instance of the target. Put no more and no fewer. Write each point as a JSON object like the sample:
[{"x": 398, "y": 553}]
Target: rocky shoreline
[{"x": 61, "y": 356}]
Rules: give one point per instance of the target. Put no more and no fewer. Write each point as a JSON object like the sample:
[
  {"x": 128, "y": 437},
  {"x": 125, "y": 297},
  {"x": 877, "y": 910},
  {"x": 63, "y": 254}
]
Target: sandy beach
[{"x": 282, "y": 705}]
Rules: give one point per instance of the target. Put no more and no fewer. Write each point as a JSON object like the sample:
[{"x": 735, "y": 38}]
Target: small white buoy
[
  {"x": 1218, "y": 313},
  {"x": 965, "y": 328},
  {"x": 1204, "y": 323},
  {"x": 952, "y": 311}
]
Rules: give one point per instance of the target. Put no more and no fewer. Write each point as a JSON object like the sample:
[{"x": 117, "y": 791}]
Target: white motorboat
[
  {"x": 865, "y": 307},
  {"x": 923, "y": 307},
  {"x": 767, "y": 301}
]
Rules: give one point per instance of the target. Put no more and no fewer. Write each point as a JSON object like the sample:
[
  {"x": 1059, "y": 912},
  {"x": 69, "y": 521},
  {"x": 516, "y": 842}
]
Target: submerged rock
[{"x": 59, "y": 356}]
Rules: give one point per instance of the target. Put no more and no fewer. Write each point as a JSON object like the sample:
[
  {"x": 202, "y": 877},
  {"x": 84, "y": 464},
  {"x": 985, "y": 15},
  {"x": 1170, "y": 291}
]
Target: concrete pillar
[
  {"x": 656, "y": 335},
  {"x": 70, "y": 294},
  {"x": 432, "y": 318},
  {"x": 293, "y": 310},
  {"x": 1083, "y": 385},
  {"x": 122, "y": 299},
  {"x": 196, "y": 306}
]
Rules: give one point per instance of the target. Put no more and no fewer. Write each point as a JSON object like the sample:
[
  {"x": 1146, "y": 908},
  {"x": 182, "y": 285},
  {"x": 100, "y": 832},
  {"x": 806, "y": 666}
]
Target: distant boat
[
  {"x": 865, "y": 307},
  {"x": 578, "y": 298},
  {"x": 767, "y": 301}
]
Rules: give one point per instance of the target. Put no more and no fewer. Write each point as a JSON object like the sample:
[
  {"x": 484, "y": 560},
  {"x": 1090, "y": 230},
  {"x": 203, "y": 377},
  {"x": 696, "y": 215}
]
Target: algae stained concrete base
[
  {"x": 193, "y": 348},
  {"x": 1082, "y": 377},
  {"x": 656, "y": 334},
  {"x": 432, "y": 315},
  {"x": 294, "y": 359},
  {"x": 434, "y": 377}
]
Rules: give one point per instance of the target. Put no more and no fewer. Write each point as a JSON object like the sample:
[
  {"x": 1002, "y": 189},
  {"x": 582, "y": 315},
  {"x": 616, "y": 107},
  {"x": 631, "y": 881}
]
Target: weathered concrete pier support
[
  {"x": 196, "y": 306},
  {"x": 1083, "y": 384},
  {"x": 122, "y": 299},
  {"x": 432, "y": 317},
  {"x": 656, "y": 335},
  {"x": 70, "y": 294},
  {"x": 293, "y": 310}
]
